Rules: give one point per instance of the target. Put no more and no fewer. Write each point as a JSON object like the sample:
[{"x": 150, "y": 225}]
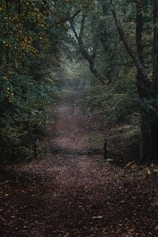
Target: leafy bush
[
  {"x": 116, "y": 101},
  {"x": 23, "y": 114}
]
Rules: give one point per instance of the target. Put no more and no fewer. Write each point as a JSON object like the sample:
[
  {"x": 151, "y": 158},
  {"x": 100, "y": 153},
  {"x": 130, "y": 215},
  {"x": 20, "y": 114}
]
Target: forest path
[
  {"x": 72, "y": 127},
  {"x": 73, "y": 194}
]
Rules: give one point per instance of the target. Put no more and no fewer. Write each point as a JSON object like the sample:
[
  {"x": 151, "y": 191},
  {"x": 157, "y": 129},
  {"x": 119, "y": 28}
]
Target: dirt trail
[
  {"x": 71, "y": 127},
  {"x": 72, "y": 194}
]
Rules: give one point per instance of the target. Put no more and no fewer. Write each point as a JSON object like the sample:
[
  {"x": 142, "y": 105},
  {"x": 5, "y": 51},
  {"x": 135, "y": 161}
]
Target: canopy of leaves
[
  {"x": 119, "y": 98},
  {"x": 26, "y": 86},
  {"x": 115, "y": 102}
]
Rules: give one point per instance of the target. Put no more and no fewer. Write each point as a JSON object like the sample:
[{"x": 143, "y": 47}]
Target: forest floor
[{"x": 73, "y": 191}]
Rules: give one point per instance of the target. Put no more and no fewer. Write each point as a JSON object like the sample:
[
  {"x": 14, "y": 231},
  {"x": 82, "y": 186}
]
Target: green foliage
[
  {"x": 26, "y": 85},
  {"x": 31, "y": 35},
  {"x": 116, "y": 102},
  {"x": 23, "y": 113},
  {"x": 119, "y": 99}
]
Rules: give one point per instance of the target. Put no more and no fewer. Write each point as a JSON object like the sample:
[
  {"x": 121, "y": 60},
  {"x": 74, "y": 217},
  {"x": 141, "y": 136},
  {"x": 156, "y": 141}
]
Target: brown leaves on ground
[{"x": 73, "y": 195}]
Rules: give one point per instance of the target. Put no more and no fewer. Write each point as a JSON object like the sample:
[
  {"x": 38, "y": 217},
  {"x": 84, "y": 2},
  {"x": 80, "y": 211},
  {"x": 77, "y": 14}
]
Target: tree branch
[
  {"x": 85, "y": 54},
  {"x": 73, "y": 29},
  {"x": 143, "y": 83},
  {"x": 125, "y": 40},
  {"x": 82, "y": 27},
  {"x": 69, "y": 18}
]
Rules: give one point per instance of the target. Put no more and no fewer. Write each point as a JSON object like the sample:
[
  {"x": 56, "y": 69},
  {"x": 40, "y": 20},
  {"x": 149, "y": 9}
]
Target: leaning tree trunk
[
  {"x": 90, "y": 58},
  {"x": 142, "y": 81}
]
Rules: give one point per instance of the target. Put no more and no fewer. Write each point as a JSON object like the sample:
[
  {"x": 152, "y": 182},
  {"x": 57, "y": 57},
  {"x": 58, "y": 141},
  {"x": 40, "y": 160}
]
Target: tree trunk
[
  {"x": 90, "y": 58},
  {"x": 145, "y": 130},
  {"x": 143, "y": 84},
  {"x": 154, "y": 125},
  {"x": 155, "y": 49},
  {"x": 149, "y": 124}
]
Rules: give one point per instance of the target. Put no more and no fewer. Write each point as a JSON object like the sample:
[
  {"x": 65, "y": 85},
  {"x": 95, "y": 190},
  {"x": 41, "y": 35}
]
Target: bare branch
[
  {"x": 69, "y": 18},
  {"x": 82, "y": 26},
  {"x": 73, "y": 29}
]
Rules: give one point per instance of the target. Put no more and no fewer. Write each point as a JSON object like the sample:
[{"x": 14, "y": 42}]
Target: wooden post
[{"x": 105, "y": 148}]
